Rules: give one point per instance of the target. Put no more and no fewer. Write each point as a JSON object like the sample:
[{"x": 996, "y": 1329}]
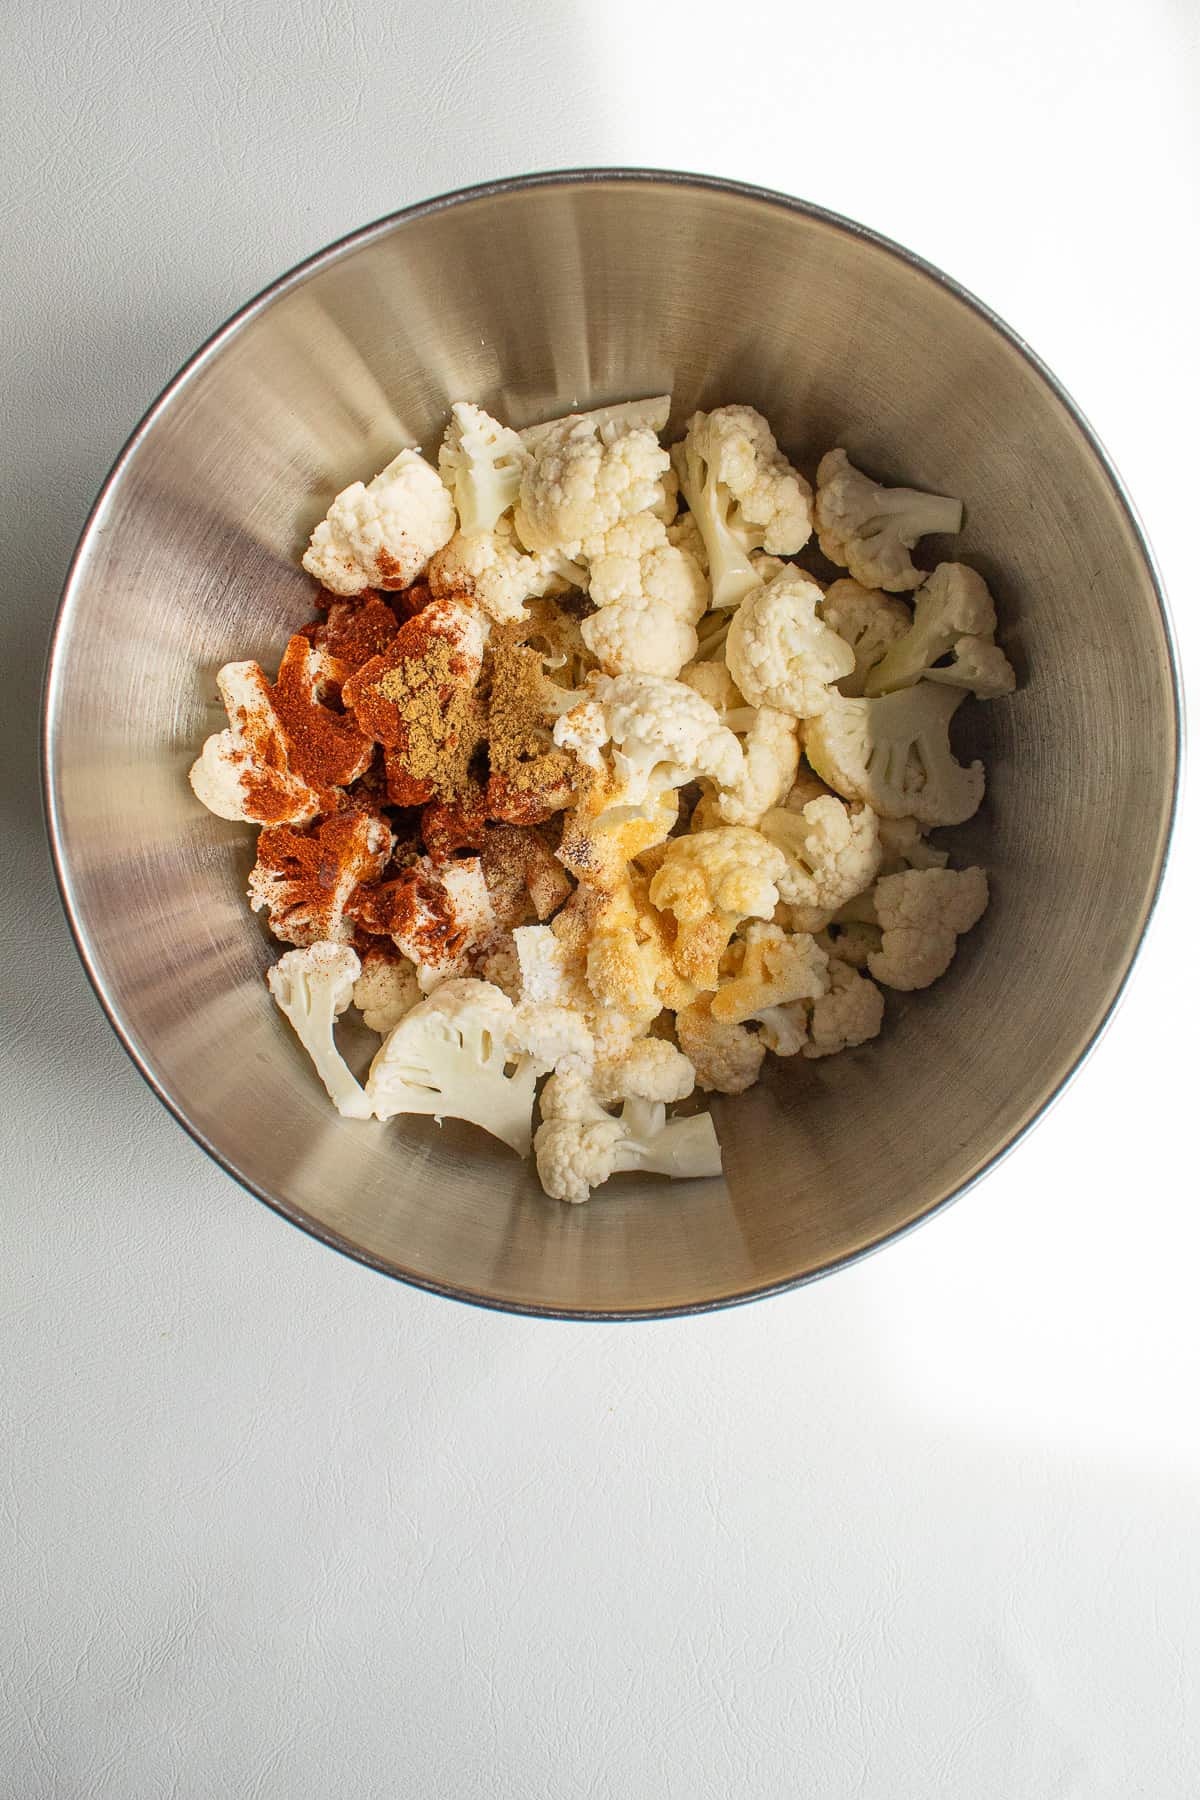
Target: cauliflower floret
[
  {"x": 651, "y": 1069},
  {"x": 832, "y": 854},
  {"x": 305, "y": 880},
  {"x": 456, "y": 1055},
  {"x": 685, "y": 534},
  {"x": 711, "y": 881},
  {"x": 551, "y": 969},
  {"x": 923, "y": 912},
  {"x": 778, "y": 967},
  {"x": 869, "y": 620},
  {"x": 610, "y": 422},
  {"x": 905, "y": 846},
  {"x": 649, "y": 595},
  {"x": 381, "y": 535},
  {"x": 576, "y": 486},
  {"x": 870, "y": 529},
  {"x": 481, "y": 462},
  {"x": 385, "y": 990},
  {"x": 953, "y": 611},
  {"x": 714, "y": 683},
  {"x": 780, "y": 652},
  {"x": 434, "y": 915},
  {"x": 554, "y": 1035},
  {"x": 312, "y": 988},
  {"x": 771, "y": 749},
  {"x": 850, "y": 941},
  {"x": 490, "y": 568},
  {"x": 285, "y": 750},
  {"x": 726, "y": 1058},
  {"x": 743, "y": 494},
  {"x": 894, "y": 754},
  {"x": 848, "y": 1013},
  {"x": 579, "y": 1145},
  {"x": 660, "y": 729}
]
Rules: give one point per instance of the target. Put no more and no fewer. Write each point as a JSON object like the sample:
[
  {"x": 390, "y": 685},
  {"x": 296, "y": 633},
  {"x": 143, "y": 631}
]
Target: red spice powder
[
  {"x": 416, "y": 907},
  {"x": 325, "y": 748},
  {"x": 353, "y": 632}
]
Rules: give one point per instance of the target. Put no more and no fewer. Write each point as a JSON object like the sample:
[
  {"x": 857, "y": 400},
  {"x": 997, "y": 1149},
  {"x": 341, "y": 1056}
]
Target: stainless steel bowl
[{"x": 533, "y": 296}]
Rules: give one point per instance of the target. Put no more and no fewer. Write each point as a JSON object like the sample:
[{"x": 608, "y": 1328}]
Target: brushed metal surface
[{"x": 531, "y": 297}]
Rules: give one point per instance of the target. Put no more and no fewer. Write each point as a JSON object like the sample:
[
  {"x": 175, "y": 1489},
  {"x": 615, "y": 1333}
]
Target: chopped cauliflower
[
  {"x": 386, "y": 989},
  {"x": 456, "y": 1055},
  {"x": 305, "y": 880},
  {"x": 781, "y": 653},
  {"x": 481, "y": 462},
  {"x": 576, "y": 486},
  {"x": 707, "y": 774},
  {"x": 870, "y": 621},
  {"x": 609, "y": 421},
  {"x": 579, "y": 1145},
  {"x": 382, "y": 535},
  {"x": 711, "y": 881},
  {"x": 777, "y": 968},
  {"x": 490, "y": 568},
  {"x": 923, "y": 913},
  {"x": 727, "y": 1058},
  {"x": 648, "y": 596},
  {"x": 894, "y": 755},
  {"x": 848, "y": 1013},
  {"x": 952, "y": 614},
  {"x": 832, "y": 854},
  {"x": 659, "y": 727},
  {"x": 285, "y": 751},
  {"x": 870, "y": 529},
  {"x": 744, "y": 495},
  {"x": 904, "y": 846},
  {"x": 312, "y": 988}
]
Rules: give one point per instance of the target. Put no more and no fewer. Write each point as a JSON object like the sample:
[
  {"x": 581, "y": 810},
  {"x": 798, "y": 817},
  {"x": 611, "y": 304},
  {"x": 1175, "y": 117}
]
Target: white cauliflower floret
[
  {"x": 662, "y": 729},
  {"x": 780, "y": 652},
  {"x": 481, "y": 462},
  {"x": 743, "y": 494},
  {"x": 923, "y": 912},
  {"x": 894, "y": 754},
  {"x": 777, "y": 968},
  {"x": 870, "y": 529},
  {"x": 771, "y": 749},
  {"x": 456, "y": 1056},
  {"x": 385, "y": 990},
  {"x": 869, "y": 620},
  {"x": 312, "y": 988},
  {"x": 579, "y": 1145},
  {"x": 685, "y": 534},
  {"x": 576, "y": 486},
  {"x": 381, "y": 535},
  {"x": 714, "y": 683},
  {"x": 953, "y": 612},
  {"x": 832, "y": 854},
  {"x": 649, "y": 595},
  {"x": 554, "y": 1034},
  {"x": 848, "y": 1013},
  {"x": 490, "y": 568},
  {"x": 711, "y": 881},
  {"x": 905, "y": 846},
  {"x": 727, "y": 1058},
  {"x": 610, "y": 422}
]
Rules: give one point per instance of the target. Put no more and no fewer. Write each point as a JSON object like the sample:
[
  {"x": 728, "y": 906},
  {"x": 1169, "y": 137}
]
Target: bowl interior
[{"x": 531, "y": 299}]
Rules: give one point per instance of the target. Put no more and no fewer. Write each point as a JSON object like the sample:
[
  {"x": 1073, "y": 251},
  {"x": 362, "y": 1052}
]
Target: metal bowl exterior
[{"x": 531, "y": 296}]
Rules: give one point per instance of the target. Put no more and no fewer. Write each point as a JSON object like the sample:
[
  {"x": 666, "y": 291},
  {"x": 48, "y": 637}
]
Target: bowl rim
[{"x": 294, "y": 277}]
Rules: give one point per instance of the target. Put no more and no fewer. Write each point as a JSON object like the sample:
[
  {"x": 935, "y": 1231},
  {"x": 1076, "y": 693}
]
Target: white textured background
[{"x": 271, "y": 1526}]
